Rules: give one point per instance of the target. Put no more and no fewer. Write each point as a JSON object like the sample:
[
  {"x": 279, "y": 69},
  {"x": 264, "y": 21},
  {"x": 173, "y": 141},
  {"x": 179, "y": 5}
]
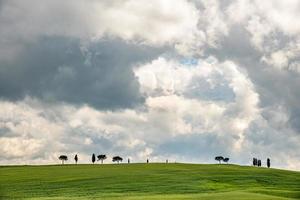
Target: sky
[{"x": 183, "y": 80}]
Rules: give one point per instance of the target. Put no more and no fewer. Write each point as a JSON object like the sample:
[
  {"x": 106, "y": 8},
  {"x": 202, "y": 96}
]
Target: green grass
[{"x": 147, "y": 181}]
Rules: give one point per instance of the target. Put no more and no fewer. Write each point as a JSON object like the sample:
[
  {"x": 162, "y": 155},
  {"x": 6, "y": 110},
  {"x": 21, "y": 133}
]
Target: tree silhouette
[
  {"x": 101, "y": 157},
  {"x": 226, "y": 160},
  {"x": 117, "y": 159},
  {"x": 268, "y": 162},
  {"x": 63, "y": 158},
  {"x": 219, "y": 158},
  {"x": 255, "y": 162},
  {"x": 259, "y": 163},
  {"x": 76, "y": 158},
  {"x": 93, "y": 158}
]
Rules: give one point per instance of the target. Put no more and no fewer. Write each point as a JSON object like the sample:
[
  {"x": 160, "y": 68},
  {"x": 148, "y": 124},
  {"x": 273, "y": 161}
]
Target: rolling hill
[{"x": 147, "y": 181}]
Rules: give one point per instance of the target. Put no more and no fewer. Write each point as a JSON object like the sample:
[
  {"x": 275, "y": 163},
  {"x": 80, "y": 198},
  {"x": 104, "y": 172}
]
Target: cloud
[
  {"x": 184, "y": 81},
  {"x": 171, "y": 124},
  {"x": 59, "y": 69},
  {"x": 267, "y": 50},
  {"x": 153, "y": 23},
  {"x": 138, "y": 133},
  {"x": 273, "y": 29}
]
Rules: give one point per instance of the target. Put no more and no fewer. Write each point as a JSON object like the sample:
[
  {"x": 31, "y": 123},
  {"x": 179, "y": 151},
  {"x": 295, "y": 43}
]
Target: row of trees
[
  {"x": 118, "y": 159},
  {"x": 221, "y": 158},
  {"x": 257, "y": 162},
  {"x": 100, "y": 157}
]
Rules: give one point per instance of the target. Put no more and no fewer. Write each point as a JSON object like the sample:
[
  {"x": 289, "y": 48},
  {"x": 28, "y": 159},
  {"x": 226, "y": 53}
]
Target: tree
[
  {"x": 63, "y": 158},
  {"x": 226, "y": 160},
  {"x": 268, "y": 162},
  {"x": 93, "y": 158},
  {"x": 259, "y": 163},
  {"x": 76, "y": 158},
  {"x": 254, "y": 161},
  {"x": 219, "y": 158},
  {"x": 117, "y": 159},
  {"x": 101, "y": 157}
]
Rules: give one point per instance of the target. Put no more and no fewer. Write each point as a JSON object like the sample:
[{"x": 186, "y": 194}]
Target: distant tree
[
  {"x": 128, "y": 160},
  {"x": 226, "y": 160},
  {"x": 219, "y": 158},
  {"x": 147, "y": 160},
  {"x": 76, "y": 158},
  {"x": 259, "y": 163},
  {"x": 63, "y": 158},
  {"x": 93, "y": 158},
  {"x": 268, "y": 162},
  {"x": 117, "y": 159},
  {"x": 101, "y": 157},
  {"x": 254, "y": 161},
  {"x": 167, "y": 161}
]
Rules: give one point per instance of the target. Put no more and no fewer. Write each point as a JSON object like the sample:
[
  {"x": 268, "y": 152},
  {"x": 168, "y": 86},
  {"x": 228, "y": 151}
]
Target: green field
[{"x": 147, "y": 181}]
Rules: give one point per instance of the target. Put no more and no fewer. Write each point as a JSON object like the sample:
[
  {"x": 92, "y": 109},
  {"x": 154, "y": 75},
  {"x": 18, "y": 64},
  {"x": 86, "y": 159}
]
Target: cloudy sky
[{"x": 182, "y": 80}]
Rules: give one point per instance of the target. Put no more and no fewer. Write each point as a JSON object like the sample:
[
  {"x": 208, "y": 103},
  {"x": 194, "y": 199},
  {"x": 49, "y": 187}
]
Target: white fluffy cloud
[
  {"x": 277, "y": 14},
  {"x": 168, "y": 82}
]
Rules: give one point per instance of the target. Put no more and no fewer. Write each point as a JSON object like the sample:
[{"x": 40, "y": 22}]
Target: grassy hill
[{"x": 148, "y": 181}]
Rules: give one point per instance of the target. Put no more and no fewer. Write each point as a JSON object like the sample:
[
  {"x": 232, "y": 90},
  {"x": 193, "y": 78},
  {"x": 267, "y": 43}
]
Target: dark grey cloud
[{"x": 61, "y": 69}]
